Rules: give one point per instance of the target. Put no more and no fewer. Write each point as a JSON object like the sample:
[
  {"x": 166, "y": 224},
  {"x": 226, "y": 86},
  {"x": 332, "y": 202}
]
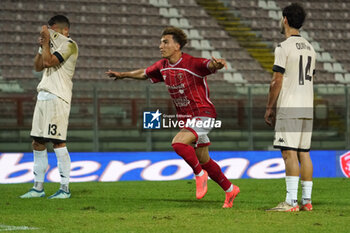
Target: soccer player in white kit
[
  {"x": 291, "y": 95},
  {"x": 56, "y": 57}
]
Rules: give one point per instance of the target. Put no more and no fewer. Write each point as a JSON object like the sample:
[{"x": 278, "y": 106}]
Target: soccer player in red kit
[{"x": 185, "y": 78}]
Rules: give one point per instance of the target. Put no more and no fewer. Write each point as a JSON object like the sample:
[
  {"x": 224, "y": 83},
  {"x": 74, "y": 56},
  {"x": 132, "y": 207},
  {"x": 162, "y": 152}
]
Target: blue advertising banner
[{"x": 120, "y": 166}]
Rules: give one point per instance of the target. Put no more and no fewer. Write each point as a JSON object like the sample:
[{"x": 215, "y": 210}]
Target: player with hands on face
[{"x": 57, "y": 56}]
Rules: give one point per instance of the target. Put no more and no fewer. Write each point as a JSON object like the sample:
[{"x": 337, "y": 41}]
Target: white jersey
[
  {"x": 58, "y": 80},
  {"x": 295, "y": 58}
]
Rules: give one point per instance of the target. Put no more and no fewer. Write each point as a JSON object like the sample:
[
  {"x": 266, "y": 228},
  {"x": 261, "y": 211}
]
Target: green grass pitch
[{"x": 142, "y": 206}]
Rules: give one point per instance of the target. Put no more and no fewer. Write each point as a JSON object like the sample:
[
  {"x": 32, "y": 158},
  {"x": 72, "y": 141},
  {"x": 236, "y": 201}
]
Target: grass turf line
[{"x": 171, "y": 206}]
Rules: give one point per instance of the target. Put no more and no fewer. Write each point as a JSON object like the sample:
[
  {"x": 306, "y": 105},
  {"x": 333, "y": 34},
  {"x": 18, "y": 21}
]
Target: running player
[{"x": 185, "y": 78}]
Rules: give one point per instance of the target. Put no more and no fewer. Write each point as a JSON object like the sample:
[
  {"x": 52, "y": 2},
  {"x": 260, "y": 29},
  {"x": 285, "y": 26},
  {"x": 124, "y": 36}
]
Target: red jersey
[{"x": 187, "y": 85}]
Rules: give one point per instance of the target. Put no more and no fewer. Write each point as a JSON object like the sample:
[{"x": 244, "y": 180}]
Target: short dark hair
[
  {"x": 178, "y": 34},
  {"x": 59, "y": 19},
  {"x": 295, "y": 15}
]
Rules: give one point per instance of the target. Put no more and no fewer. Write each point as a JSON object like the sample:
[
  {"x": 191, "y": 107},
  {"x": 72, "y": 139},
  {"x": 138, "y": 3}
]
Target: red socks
[
  {"x": 189, "y": 155},
  {"x": 215, "y": 173}
]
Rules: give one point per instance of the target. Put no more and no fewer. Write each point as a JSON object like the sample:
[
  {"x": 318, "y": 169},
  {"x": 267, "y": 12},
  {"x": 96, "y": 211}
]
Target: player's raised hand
[
  {"x": 219, "y": 63},
  {"x": 45, "y": 34},
  {"x": 114, "y": 74}
]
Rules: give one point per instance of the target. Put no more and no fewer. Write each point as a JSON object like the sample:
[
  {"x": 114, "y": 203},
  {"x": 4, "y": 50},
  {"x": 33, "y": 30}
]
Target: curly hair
[{"x": 178, "y": 34}]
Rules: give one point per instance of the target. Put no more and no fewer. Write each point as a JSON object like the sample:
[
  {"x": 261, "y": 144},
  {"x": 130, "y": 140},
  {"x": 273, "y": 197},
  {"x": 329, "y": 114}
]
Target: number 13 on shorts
[{"x": 52, "y": 129}]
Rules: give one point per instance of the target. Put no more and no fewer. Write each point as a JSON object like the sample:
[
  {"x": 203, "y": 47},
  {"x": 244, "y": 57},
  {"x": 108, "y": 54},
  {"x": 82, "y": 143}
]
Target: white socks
[
  {"x": 292, "y": 190},
  {"x": 63, "y": 163},
  {"x": 306, "y": 192},
  {"x": 200, "y": 174},
  {"x": 40, "y": 166},
  {"x": 229, "y": 189}
]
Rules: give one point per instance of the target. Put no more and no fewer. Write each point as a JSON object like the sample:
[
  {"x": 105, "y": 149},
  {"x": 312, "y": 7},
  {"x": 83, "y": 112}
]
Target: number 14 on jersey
[{"x": 305, "y": 71}]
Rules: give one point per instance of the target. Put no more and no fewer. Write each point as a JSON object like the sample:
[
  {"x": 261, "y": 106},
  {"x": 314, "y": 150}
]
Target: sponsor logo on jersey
[{"x": 181, "y": 102}]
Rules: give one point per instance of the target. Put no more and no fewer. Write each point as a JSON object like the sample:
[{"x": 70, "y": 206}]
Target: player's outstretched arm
[
  {"x": 135, "y": 74},
  {"x": 275, "y": 88},
  {"x": 217, "y": 64}
]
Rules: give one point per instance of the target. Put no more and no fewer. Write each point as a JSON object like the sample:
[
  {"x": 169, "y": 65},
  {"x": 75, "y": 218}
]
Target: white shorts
[
  {"x": 201, "y": 133},
  {"x": 50, "y": 119},
  {"x": 293, "y": 134}
]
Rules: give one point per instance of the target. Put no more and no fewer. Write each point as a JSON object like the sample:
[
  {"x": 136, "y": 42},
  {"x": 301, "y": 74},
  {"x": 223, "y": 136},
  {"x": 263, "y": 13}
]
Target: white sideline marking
[{"x": 16, "y": 228}]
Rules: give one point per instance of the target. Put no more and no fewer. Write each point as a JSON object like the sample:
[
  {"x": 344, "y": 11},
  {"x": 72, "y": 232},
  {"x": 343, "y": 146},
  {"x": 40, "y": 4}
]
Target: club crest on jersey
[
  {"x": 345, "y": 163},
  {"x": 180, "y": 76},
  {"x": 55, "y": 35}
]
